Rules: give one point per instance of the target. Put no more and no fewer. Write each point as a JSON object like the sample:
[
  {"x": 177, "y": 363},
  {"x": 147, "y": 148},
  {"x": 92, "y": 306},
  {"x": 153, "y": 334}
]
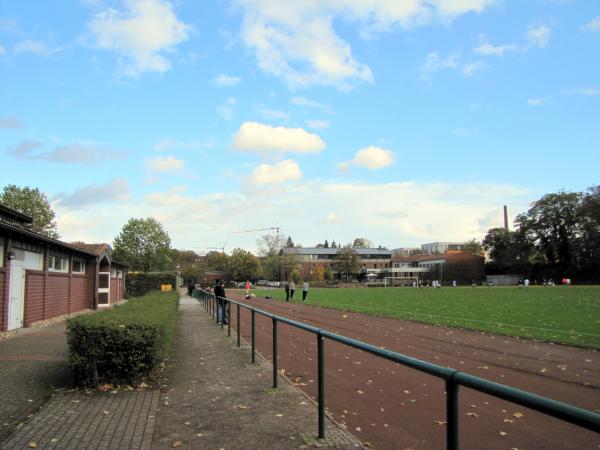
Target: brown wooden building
[{"x": 41, "y": 277}]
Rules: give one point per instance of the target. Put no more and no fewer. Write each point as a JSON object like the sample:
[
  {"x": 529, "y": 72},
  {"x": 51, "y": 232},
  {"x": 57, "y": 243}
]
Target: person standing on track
[
  {"x": 248, "y": 286},
  {"x": 304, "y": 291},
  {"x": 287, "y": 291},
  {"x": 292, "y": 289}
]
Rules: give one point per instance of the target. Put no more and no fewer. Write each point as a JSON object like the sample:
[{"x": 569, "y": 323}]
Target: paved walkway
[
  {"x": 33, "y": 366},
  {"x": 210, "y": 397}
]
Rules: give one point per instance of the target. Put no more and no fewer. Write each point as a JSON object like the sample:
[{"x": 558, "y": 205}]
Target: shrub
[
  {"x": 124, "y": 344},
  {"x": 138, "y": 283}
]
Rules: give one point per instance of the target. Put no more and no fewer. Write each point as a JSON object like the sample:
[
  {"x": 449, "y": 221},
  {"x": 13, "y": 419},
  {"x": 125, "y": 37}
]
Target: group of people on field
[{"x": 290, "y": 290}]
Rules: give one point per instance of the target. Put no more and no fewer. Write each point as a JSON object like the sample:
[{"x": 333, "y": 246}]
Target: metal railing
[{"x": 453, "y": 378}]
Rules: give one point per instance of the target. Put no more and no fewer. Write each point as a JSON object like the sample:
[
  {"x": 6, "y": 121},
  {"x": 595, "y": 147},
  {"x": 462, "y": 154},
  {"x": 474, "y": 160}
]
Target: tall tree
[
  {"x": 244, "y": 265},
  {"x": 217, "y": 260},
  {"x": 325, "y": 244},
  {"x": 144, "y": 245},
  {"x": 33, "y": 203},
  {"x": 589, "y": 247},
  {"x": 269, "y": 248},
  {"x": 362, "y": 243},
  {"x": 551, "y": 225},
  {"x": 289, "y": 243},
  {"x": 346, "y": 261}
]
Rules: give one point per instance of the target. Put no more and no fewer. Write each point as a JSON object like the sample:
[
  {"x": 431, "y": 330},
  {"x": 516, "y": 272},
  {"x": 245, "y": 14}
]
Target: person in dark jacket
[
  {"x": 287, "y": 292},
  {"x": 220, "y": 293}
]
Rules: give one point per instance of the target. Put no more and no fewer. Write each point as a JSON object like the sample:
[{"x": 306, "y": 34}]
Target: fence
[{"x": 453, "y": 378}]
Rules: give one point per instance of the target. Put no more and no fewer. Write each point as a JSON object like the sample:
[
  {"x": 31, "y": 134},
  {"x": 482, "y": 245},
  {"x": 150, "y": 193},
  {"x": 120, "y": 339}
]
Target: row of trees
[{"x": 559, "y": 236}]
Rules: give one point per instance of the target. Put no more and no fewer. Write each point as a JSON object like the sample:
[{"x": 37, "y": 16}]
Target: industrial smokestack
[{"x": 505, "y": 218}]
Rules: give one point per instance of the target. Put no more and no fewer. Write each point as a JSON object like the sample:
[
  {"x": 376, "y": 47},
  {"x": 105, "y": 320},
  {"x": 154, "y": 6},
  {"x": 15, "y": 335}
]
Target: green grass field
[{"x": 562, "y": 314}]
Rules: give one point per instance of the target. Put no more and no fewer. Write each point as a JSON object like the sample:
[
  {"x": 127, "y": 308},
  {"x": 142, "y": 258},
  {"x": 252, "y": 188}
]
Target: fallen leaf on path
[
  {"x": 177, "y": 444},
  {"x": 439, "y": 422},
  {"x": 503, "y": 433},
  {"x": 508, "y": 421},
  {"x": 358, "y": 429},
  {"x": 32, "y": 445},
  {"x": 360, "y": 392},
  {"x": 472, "y": 414},
  {"x": 518, "y": 415}
]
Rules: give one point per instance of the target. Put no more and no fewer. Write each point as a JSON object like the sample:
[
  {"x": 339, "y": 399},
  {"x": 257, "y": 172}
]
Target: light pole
[{"x": 177, "y": 282}]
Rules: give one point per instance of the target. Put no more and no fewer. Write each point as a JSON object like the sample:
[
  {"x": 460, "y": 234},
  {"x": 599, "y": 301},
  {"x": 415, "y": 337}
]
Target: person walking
[
  {"x": 292, "y": 289},
  {"x": 248, "y": 286},
  {"x": 286, "y": 286},
  {"x": 304, "y": 291}
]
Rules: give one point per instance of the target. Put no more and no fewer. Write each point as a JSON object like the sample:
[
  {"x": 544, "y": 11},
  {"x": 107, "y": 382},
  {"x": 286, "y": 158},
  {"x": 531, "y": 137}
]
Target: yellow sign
[{"x": 166, "y": 288}]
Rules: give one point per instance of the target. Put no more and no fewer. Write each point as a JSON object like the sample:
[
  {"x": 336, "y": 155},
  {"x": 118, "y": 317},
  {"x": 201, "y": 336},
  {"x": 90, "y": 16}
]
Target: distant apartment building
[
  {"x": 433, "y": 248},
  {"x": 371, "y": 260}
]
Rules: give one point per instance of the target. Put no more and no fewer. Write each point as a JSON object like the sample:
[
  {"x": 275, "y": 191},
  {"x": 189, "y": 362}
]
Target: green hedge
[
  {"x": 124, "y": 344},
  {"x": 138, "y": 284}
]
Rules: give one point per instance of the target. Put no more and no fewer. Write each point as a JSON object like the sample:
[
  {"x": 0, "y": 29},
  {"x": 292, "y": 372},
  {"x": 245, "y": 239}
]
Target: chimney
[{"x": 505, "y": 218}]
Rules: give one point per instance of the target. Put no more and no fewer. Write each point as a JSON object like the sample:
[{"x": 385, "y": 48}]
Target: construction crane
[{"x": 259, "y": 229}]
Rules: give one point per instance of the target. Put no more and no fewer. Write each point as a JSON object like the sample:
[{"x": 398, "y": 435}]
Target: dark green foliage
[
  {"x": 124, "y": 344},
  {"x": 138, "y": 284}
]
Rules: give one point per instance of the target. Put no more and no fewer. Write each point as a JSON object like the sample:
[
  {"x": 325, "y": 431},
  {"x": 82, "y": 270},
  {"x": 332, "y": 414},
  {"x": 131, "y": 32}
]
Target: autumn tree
[
  {"x": 33, "y": 203},
  {"x": 217, "y": 260},
  {"x": 269, "y": 248},
  {"x": 346, "y": 261},
  {"x": 144, "y": 245},
  {"x": 362, "y": 243},
  {"x": 244, "y": 265},
  {"x": 318, "y": 273}
]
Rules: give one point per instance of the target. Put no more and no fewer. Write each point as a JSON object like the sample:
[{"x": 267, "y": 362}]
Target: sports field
[{"x": 558, "y": 314}]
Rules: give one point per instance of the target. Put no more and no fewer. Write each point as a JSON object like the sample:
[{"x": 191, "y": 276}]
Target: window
[
  {"x": 78, "y": 266},
  {"x": 113, "y": 272},
  {"x": 58, "y": 264},
  {"x": 120, "y": 273}
]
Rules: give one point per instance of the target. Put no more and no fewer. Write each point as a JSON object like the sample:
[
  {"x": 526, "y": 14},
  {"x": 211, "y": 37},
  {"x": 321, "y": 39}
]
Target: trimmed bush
[
  {"x": 124, "y": 344},
  {"x": 138, "y": 284}
]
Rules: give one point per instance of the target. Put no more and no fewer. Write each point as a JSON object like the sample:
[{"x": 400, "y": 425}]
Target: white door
[{"x": 16, "y": 296}]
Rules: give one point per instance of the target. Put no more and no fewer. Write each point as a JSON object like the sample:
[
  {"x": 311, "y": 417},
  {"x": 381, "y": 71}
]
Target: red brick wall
[
  {"x": 79, "y": 295},
  {"x": 34, "y": 296},
  {"x": 57, "y": 295},
  {"x": 2, "y": 287}
]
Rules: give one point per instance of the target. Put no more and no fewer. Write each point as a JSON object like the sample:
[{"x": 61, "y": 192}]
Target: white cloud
[
  {"x": 35, "y": 47},
  {"x": 471, "y": 69},
  {"x": 2, "y": 50},
  {"x": 140, "y": 35},
  {"x": 164, "y": 164},
  {"x": 434, "y": 63},
  {"x": 296, "y": 41},
  {"x": 538, "y": 36},
  {"x": 226, "y": 80},
  {"x": 278, "y": 173},
  {"x": 583, "y": 91},
  {"x": 73, "y": 153},
  {"x": 372, "y": 157},
  {"x": 307, "y": 103},
  {"x": 227, "y": 109},
  {"x": 254, "y": 136},
  {"x": 316, "y": 124},
  {"x": 172, "y": 198},
  {"x": 115, "y": 190},
  {"x": 592, "y": 25},
  {"x": 495, "y": 50},
  {"x": 272, "y": 114},
  {"x": 536, "y": 101},
  {"x": 330, "y": 218},
  {"x": 10, "y": 123}
]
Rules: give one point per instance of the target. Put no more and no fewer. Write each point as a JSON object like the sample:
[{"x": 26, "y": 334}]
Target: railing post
[
  {"x": 238, "y": 325},
  {"x": 228, "y": 318},
  {"x": 253, "y": 337},
  {"x": 451, "y": 415},
  {"x": 321, "y": 383},
  {"x": 274, "y": 353}
]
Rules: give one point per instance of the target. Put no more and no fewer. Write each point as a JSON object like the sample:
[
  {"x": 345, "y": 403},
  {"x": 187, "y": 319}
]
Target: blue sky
[{"x": 402, "y": 122}]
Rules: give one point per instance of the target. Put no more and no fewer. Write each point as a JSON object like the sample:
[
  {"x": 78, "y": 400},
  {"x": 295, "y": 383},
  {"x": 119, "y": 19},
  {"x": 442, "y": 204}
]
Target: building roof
[
  {"x": 96, "y": 249},
  {"x": 40, "y": 237},
  {"x": 14, "y": 215},
  {"x": 333, "y": 251},
  {"x": 449, "y": 256}
]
